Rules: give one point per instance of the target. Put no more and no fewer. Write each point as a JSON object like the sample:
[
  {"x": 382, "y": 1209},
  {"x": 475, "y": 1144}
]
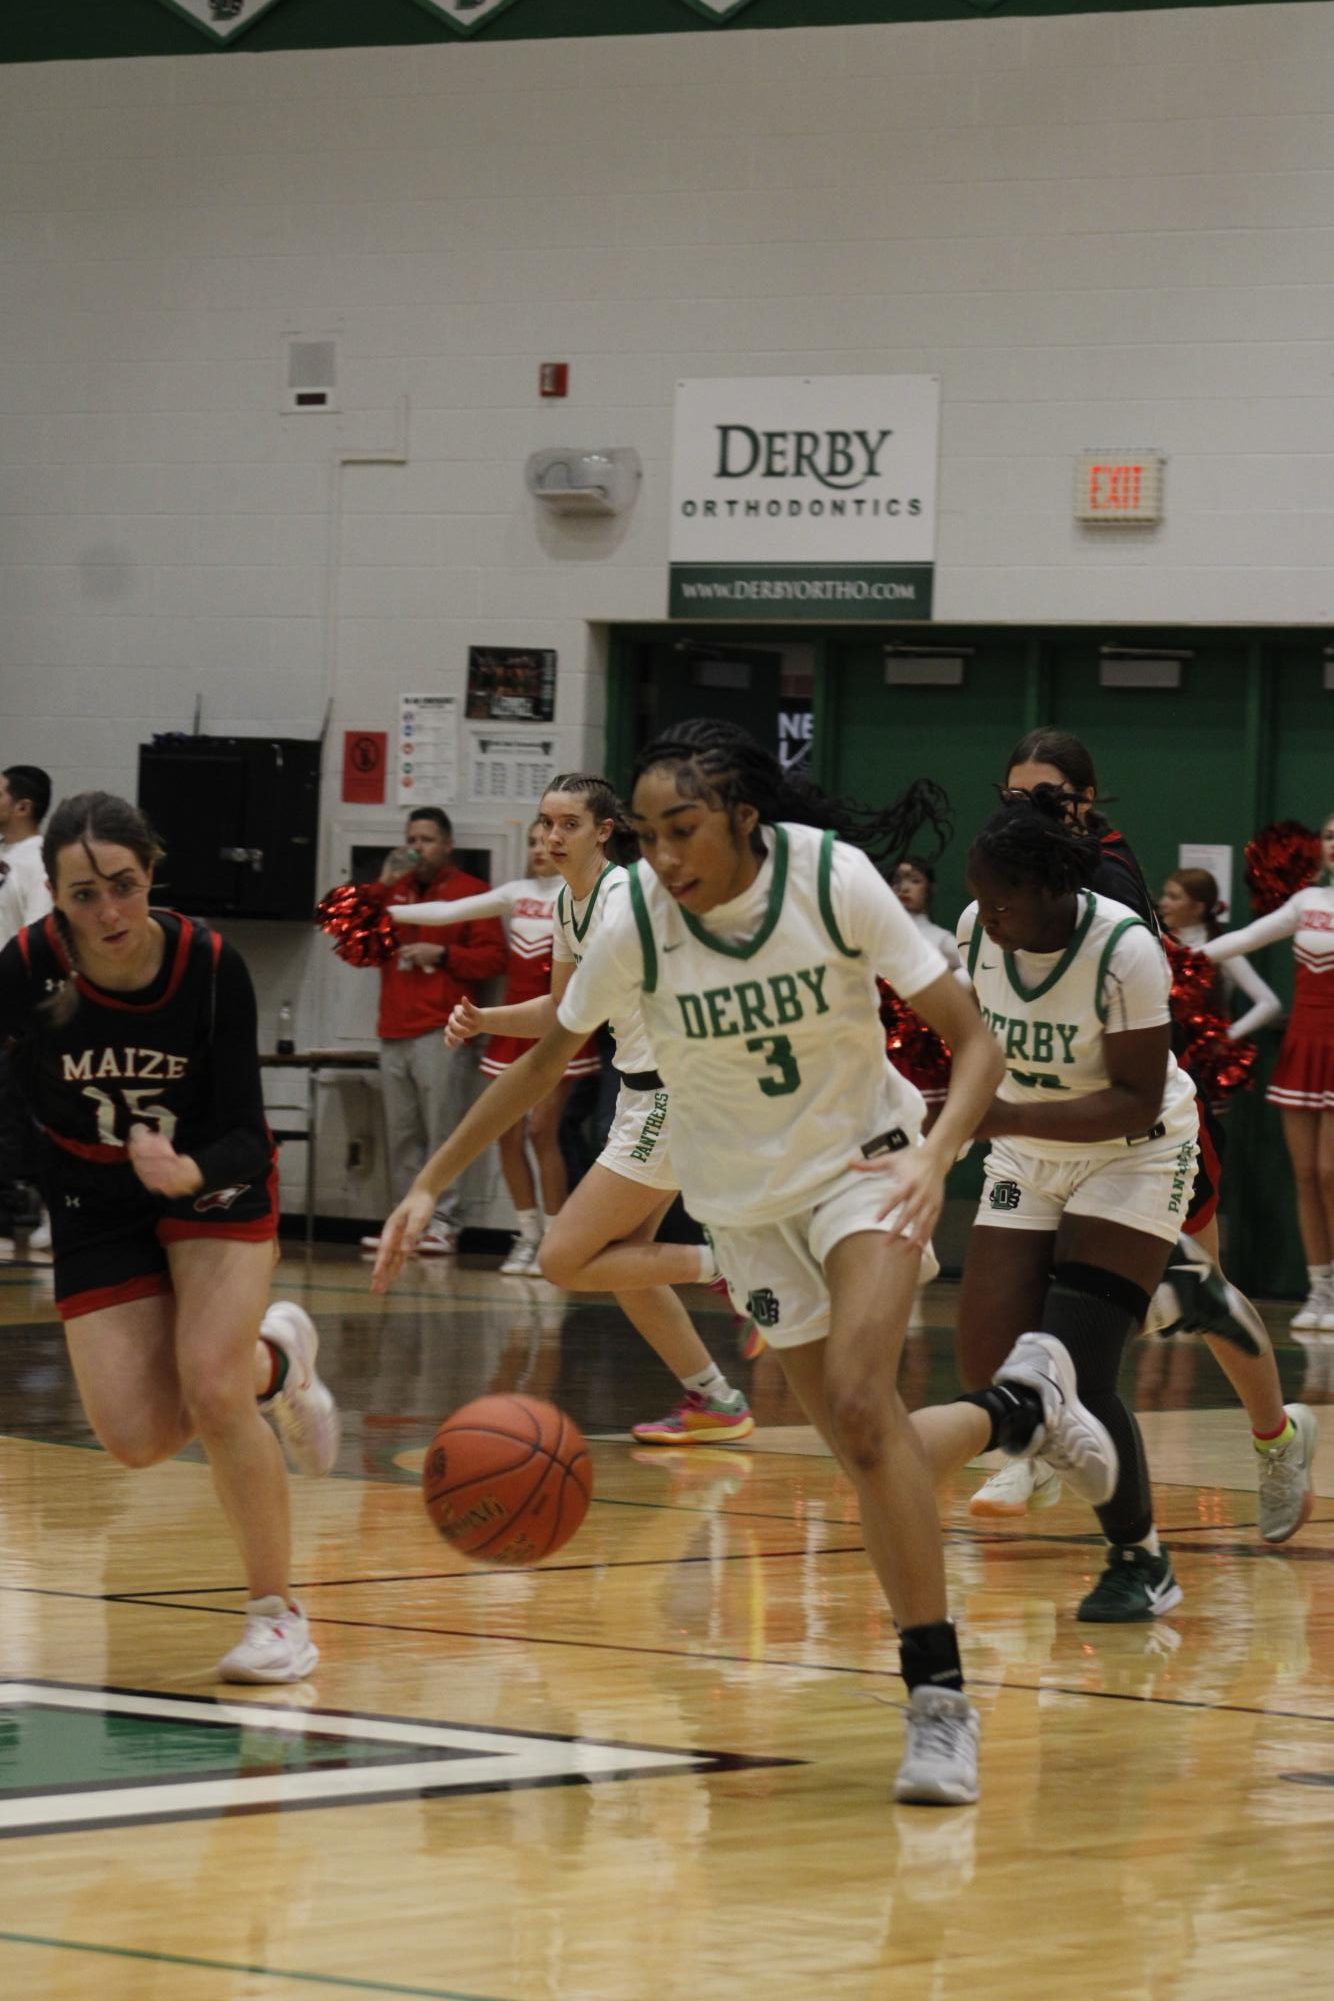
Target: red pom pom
[
  {"x": 1282, "y": 859},
  {"x": 1193, "y": 978},
  {"x": 912, "y": 1045},
  {"x": 355, "y": 916},
  {"x": 1219, "y": 1067}
]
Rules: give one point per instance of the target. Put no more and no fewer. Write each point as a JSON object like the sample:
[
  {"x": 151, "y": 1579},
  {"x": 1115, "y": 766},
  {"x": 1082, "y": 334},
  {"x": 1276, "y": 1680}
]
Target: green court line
[{"x": 239, "y": 1966}]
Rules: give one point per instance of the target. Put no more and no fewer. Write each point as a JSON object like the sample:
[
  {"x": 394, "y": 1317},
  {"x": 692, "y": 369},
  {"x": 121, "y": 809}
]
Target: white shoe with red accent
[
  {"x": 303, "y": 1409},
  {"x": 276, "y": 1645},
  {"x": 437, "y": 1240}
]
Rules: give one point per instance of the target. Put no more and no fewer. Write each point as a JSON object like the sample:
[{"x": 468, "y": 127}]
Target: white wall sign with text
[
  {"x": 509, "y": 768},
  {"x": 426, "y": 754},
  {"x": 804, "y": 497}
]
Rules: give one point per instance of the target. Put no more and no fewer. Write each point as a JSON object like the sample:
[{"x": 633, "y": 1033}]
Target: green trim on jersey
[
  {"x": 581, "y": 930},
  {"x": 1099, "y": 999},
  {"x": 826, "y": 900},
  {"x": 777, "y": 889},
  {"x": 975, "y": 946},
  {"x": 645, "y": 928},
  {"x": 1063, "y": 964}
]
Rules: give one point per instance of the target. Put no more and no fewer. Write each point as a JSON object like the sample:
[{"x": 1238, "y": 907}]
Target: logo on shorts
[
  {"x": 762, "y": 1306},
  {"x": 220, "y": 1198},
  {"x": 1005, "y": 1195}
]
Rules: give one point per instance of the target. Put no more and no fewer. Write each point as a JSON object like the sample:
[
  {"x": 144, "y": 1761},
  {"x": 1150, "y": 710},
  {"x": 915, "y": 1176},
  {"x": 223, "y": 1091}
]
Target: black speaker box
[{"x": 239, "y": 818}]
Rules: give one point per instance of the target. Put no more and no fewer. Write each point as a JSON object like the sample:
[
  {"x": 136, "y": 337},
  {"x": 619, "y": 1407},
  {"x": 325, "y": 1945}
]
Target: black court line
[{"x": 1006, "y": 1685}]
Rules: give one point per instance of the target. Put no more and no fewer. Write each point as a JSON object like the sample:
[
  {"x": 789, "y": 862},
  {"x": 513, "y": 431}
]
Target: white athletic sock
[
  {"x": 530, "y": 1225},
  {"x": 1151, "y": 1543},
  {"x": 708, "y": 1264},
  {"x": 1319, "y": 1277},
  {"x": 710, "y": 1382}
]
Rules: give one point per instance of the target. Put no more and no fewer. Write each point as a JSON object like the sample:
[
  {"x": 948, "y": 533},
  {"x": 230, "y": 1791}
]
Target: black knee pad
[{"x": 1093, "y": 1312}]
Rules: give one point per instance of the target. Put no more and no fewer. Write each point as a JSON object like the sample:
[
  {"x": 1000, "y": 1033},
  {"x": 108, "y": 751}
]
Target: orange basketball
[{"x": 507, "y": 1479}]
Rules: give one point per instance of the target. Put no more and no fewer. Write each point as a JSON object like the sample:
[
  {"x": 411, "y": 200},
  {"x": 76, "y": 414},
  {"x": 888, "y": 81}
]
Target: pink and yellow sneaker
[{"x": 699, "y": 1421}]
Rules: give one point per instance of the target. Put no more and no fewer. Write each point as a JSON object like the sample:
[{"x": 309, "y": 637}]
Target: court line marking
[
  {"x": 765, "y": 1661},
  {"x": 240, "y": 1966}
]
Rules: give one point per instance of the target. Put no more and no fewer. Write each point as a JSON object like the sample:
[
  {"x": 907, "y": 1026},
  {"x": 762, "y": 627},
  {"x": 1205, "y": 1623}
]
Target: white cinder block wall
[{"x": 1111, "y": 228}]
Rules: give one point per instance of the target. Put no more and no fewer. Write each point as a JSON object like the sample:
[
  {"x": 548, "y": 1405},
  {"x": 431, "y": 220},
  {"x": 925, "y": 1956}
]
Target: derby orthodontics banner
[{"x": 804, "y": 497}]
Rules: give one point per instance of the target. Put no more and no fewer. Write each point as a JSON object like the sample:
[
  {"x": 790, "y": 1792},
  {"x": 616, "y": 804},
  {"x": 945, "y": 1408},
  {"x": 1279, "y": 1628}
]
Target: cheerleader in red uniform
[
  {"x": 529, "y": 904},
  {"x": 1302, "y": 1085}
]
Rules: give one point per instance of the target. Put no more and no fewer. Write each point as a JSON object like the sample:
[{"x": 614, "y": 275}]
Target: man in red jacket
[{"x": 426, "y": 1087}]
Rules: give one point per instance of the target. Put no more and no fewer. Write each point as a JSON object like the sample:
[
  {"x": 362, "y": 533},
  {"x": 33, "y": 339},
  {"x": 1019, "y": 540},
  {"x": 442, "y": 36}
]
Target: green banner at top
[
  {"x": 221, "y": 20},
  {"x": 465, "y": 16}
]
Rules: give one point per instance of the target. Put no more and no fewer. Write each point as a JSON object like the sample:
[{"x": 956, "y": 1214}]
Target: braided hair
[
  {"x": 723, "y": 765},
  {"x": 1035, "y": 840},
  {"x": 599, "y": 795}
]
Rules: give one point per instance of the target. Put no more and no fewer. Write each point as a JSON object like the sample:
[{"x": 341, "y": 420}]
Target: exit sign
[{"x": 1114, "y": 489}]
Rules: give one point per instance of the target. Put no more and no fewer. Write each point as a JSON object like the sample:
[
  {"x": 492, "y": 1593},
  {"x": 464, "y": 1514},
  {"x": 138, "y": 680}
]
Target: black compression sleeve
[
  {"x": 14, "y": 995},
  {"x": 240, "y": 1150}
]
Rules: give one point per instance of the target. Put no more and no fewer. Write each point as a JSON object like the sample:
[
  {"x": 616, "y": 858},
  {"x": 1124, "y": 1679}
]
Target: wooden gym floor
[{"x": 660, "y": 1765}]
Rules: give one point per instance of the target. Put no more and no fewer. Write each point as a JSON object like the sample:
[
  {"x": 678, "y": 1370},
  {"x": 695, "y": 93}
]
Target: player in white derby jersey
[
  {"x": 602, "y": 1240},
  {"x": 751, "y": 938},
  {"x": 1092, "y": 1156}
]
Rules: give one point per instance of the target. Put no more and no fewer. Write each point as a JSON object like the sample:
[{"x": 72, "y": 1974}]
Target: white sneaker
[
  {"x": 40, "y": 1238},
  {"x": 1019, "y": 1485},
  {"x": 437, "y": 1240},
  {"x": 522, "y": 1259},
  {"x": 1318, "y": 1307},
  {"x": 276, "y": 1645},
  {"x": 1287, "y": 1492},
  {"x": 303, "y": 1409},
  {"x": 1070, "y": 1437},
  {"x": 940, "y": 1757}
]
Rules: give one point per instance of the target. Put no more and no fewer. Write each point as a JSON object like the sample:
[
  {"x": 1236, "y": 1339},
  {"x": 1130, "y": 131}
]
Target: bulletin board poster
[
  {"x": 508, "y": 767},
  {"x": 506, "y": 685},
  {"x": 427, "y": 750}
]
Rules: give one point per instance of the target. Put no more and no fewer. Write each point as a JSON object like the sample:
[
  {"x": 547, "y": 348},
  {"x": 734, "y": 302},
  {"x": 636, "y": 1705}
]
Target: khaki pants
[{"x": 427, "y": 1088}]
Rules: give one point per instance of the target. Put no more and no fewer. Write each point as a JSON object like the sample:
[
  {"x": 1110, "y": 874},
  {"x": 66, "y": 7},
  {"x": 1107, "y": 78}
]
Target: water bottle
[{"x": 286, "y": 1044}]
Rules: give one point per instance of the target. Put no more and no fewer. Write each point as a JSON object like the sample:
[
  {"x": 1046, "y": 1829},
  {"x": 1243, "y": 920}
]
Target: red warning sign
[{"x": 365, "y": 761}]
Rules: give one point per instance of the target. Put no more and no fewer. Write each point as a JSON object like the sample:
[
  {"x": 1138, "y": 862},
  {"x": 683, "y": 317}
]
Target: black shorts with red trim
[
  {"x": 1209, "y": 1144},
  {"x": 109, "y": 1234}
]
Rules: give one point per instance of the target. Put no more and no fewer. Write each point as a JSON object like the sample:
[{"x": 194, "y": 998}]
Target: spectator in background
[
  {"x": 427, "y": 1087},
  {"x": 914, "y": 884},
  {"x": 1191, "y": 912},
  {"x": 25, "y": 898}
]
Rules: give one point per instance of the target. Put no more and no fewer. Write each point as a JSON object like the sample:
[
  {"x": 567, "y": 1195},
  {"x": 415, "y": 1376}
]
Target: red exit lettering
[{"x": 1115, "y": 489}]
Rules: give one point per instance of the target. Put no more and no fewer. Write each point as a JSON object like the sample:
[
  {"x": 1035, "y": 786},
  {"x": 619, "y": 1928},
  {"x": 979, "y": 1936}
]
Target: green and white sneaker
[{"x": 1135, "y": 1585}]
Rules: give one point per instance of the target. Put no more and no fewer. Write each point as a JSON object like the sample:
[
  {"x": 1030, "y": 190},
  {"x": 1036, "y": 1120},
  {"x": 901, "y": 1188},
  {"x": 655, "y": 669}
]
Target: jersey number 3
[{"x": 777, "y": 1053}]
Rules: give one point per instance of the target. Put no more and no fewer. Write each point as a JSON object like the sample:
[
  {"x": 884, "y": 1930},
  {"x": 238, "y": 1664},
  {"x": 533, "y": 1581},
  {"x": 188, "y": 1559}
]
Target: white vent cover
[{"x": 312, "y": 375}]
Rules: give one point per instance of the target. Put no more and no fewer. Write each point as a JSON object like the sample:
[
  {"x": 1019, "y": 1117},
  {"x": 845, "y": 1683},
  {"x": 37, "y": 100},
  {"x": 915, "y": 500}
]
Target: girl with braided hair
[
  {"x": 750, "y": 937},
  {"x": 1092, "y": 1157}
]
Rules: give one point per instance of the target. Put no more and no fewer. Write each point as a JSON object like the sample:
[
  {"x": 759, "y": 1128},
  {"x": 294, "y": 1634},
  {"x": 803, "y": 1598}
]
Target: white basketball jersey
[
  {"x": 1050, "y": 1021},
  {"x": 577, "y": 925},
  {"x": 773, "y": 1049}
]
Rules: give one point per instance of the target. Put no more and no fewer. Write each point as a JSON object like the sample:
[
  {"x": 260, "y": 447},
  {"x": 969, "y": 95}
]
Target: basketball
[{"x": 507, "y": 1480}]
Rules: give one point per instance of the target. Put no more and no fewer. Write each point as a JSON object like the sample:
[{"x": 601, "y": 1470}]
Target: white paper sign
[
  {"x": 509, "y": 768},
  {"x": 804, "y": 497},
  {"x": 1218, "y": 860},
  {"x": 426, "y": 755}
]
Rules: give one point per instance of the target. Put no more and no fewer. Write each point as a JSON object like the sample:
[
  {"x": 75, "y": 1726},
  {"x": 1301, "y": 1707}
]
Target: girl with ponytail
[{"x": 602, "y": 1240}]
